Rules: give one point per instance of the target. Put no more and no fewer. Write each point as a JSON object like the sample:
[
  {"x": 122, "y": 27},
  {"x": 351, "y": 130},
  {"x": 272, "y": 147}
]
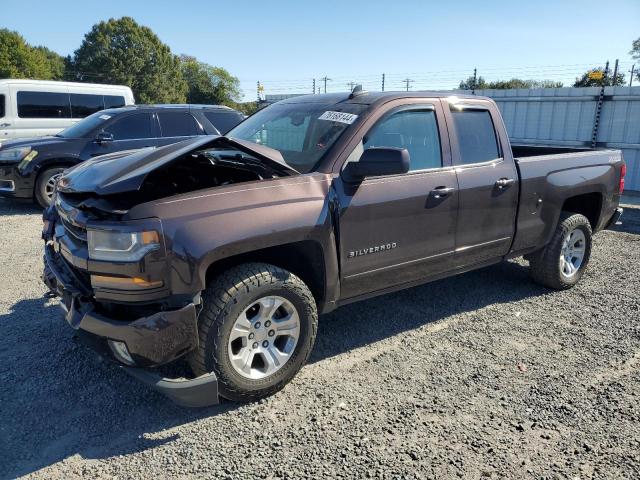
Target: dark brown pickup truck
[{"x": 225, "y": 249}]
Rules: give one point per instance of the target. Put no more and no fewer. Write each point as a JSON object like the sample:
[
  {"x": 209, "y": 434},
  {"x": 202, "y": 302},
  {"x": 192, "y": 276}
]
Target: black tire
[
  {"x": 545, "y": 265},
  {"x": 223, "y": 301},
  {"x": 41, "y": 192}
]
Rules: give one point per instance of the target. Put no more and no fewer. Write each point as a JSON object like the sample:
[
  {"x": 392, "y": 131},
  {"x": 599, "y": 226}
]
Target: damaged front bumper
[{"x": 153, "y": 340}]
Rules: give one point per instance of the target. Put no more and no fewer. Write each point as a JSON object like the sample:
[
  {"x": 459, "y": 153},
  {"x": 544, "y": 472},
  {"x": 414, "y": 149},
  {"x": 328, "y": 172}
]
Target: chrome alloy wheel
[
  {"x": 50, "y": 186},
  {"x": 572, "y": 252},
  {"x": 264, "y": 337}
]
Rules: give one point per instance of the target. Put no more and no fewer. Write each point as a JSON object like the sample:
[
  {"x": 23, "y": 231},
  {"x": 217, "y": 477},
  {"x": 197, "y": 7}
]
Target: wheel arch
[
  {"x": 304, "y": 259},
  {"x": 587, "y": 204},
  {"x": 53, "y": 163}
]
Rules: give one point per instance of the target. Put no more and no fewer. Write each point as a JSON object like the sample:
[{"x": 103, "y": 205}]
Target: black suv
[{"x": 30, "y": 167}]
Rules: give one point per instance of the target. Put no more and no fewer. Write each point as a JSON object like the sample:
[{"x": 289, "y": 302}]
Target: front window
[
  {"x": 131, "y": 127},
  {"x": 85, "y": 127},
  {"x": 302, "y": 132},
  {"x": 416, "y": 130}
]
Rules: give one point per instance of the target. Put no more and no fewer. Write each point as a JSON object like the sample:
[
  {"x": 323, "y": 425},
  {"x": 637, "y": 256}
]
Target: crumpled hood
[{"x": 125, "y": 171}]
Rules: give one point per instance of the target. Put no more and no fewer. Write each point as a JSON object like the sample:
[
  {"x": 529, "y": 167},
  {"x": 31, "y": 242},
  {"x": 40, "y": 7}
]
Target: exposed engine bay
[{"x": 197, "y": 170}]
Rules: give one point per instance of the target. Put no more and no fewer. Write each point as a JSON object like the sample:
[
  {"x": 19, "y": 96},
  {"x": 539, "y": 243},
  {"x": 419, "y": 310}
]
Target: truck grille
[{"x": 75, "y": 231}]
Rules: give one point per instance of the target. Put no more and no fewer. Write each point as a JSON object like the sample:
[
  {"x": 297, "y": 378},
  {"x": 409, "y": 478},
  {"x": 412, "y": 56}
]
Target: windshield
[
  {"x": 84, "y": 127},
  {"x": 302, "y": 132}
]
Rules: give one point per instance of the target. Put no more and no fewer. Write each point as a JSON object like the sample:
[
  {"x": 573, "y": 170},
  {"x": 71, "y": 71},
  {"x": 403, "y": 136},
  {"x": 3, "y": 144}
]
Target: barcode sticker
[{"x": 341, "y": 117}]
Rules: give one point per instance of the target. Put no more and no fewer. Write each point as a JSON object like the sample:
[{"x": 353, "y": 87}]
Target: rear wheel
[
  {"x": 257, "y": 329},
  {"x": 562, "y": 262},
  {"x": 46, "y": 185}
]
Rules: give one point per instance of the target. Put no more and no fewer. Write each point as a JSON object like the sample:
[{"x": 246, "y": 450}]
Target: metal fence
[{"x": 567, "y": 117}]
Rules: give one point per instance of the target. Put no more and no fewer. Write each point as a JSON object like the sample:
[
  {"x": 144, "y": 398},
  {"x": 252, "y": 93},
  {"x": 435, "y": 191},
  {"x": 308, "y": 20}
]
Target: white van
[{"x": 32, "y": 108}]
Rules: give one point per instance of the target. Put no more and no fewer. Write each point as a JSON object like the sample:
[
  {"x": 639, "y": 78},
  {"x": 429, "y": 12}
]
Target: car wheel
[
  {"x": 46, "y": 184},
  {"x": 562, "y": 262},
  {"x": 257, "y": 329}
]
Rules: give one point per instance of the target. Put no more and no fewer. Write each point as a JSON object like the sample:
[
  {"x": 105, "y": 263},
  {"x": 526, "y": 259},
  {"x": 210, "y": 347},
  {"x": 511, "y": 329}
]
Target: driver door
[
  {"x": 137, "y": 130},
  {"x": 398, "y": 229}
]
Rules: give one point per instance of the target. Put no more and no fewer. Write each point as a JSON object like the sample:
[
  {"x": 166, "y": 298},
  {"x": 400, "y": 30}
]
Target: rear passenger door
[
  {"x": 487, "y": 181},
  {"x": 177, "y": 126}
]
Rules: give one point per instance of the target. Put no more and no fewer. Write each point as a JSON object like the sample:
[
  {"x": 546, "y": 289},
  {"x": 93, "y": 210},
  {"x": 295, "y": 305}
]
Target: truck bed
[{"x": 548, "y": 175}]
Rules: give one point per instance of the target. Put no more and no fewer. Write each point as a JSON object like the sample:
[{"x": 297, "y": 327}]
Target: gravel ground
[{"x": 482, "y": 375}]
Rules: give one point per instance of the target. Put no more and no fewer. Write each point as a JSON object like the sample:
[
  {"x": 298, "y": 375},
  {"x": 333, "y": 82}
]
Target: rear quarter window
[
  {"x": 113, "y": 101},
  {"x": 223, "y": 121},
  {"x": 2, "y": 107},
  {"x": 476, "y": 136}
]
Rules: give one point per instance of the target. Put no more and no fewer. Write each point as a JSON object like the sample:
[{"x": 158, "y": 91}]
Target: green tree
[
  {"x": 20, "y": 60},
  {"x": 248, "y": 108},
  {"x": 120, "y": 51},
  {"x": 468, "y": 84},
  {"x": 586, "y": 79},
  {"x": 208, "y": 84},
  {"x": 57, "y": 63},
  {"x": 481, "y": 84},
  {"x": 635, "y": 54},
  {"x": 519, "y": 83}
]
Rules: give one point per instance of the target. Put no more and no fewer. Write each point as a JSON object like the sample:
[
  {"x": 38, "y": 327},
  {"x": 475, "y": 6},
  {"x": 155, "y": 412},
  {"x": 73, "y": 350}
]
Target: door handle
[
  {"x": 505, "y": 182},
  {"x": 441, "y": 192},
  {"x": 5, "y": 124}
]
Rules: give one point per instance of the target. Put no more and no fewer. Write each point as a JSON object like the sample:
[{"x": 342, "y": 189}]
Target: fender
[{"x": 224, "y": 222}]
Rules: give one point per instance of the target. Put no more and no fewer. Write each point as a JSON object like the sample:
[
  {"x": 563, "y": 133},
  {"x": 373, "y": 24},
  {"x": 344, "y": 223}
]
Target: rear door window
[
  {"x": 178, "y": 124},
  {"x": 476, "y": 136},
  {"x": 131, "y": 127},
  {"x": 43, "y": 105},
  {"x": 83, "y": 105},
  {"x": 223, "y": 121},
  {"x": 113, "y": 101},
  {"x": 2, "y": 107}
]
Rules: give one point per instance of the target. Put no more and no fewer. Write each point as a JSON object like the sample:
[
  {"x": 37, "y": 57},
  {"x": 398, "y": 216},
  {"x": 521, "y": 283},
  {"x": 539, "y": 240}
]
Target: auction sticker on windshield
[{"x": 341, "y": 117}]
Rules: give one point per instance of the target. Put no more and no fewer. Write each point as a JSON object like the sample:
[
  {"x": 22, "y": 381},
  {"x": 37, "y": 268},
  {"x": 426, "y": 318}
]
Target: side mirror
[
  {"x": 104, "y": 137},
  {"x": 377, "y": 161}
]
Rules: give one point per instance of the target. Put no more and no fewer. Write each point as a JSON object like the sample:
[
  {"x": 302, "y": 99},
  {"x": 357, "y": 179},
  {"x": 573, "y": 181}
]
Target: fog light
[{"x": 121, "y": 352}]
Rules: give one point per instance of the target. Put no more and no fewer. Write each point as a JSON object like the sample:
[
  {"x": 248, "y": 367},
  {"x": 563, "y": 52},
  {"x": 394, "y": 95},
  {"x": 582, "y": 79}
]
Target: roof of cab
[{"x": 369, "y": 98}]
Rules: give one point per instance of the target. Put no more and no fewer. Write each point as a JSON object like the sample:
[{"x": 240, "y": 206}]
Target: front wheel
[
  {"x": 46, "y": 185},
  {"x": 257, "y": 329},
  {"x": 562, "y": 262}
]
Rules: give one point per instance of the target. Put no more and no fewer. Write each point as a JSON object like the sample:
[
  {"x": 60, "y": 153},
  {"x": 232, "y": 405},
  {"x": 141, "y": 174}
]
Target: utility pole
[
  {"x": 325, "y": 79},
  {"x": 615, "y": 73},
  {"x": 383, "y": 82},
  {"x": 407, "y": 81},
  {"x": 633, "y": 68},
  {"x": 475, "y": 81},
  {"x": 314, "y": 86}
]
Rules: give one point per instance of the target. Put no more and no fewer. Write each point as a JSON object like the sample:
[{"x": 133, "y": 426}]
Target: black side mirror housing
[
  {"x": 104, "y": 137},
  {"x": 377, "y": 161}
]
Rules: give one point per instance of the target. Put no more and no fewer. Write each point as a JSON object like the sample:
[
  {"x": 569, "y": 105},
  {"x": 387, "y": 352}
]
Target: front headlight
[
  {"x": 121, "y": 246},
  {"x": 18, "y": 154}
]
